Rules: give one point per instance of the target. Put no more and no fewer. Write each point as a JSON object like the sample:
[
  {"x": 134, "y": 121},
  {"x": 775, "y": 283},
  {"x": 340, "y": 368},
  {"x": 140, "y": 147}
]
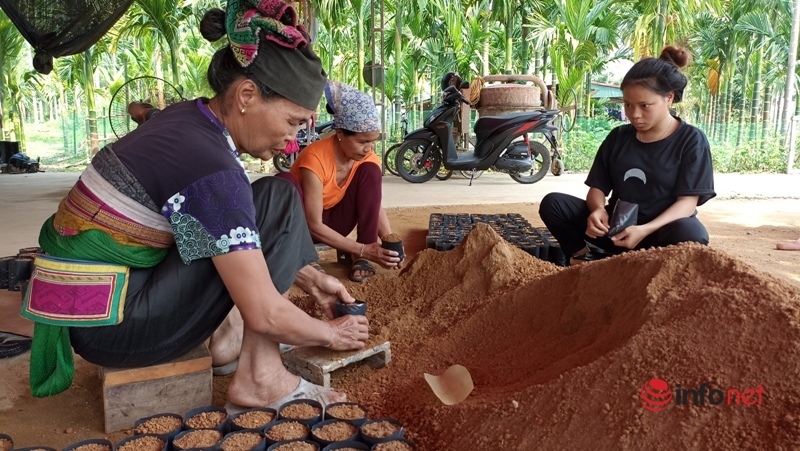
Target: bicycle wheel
[
  {"x": 389, "y": 159},
  {"x": 416, "y": 161},
  {"x": 443, "y": 173},
  {"x": 540, "y": 164}
]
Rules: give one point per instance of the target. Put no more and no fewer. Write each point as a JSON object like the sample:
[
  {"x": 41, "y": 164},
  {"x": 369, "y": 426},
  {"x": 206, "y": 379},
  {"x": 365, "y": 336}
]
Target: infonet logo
[{"x": 657, "y": 396}]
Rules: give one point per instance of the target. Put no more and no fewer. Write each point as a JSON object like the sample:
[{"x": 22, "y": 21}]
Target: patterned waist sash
[{"x": 93, "y": 203}]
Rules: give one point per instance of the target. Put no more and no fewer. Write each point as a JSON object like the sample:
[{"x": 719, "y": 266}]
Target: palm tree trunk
[
  {"x": 660, "y": 26},
  {"x": 789, "y": 96},
  {"x": 509, "y": 45},
  {"x": 743, "y": 104},
  {"x": 173, "y": 57},
  {"x": 88, "y": 85},
  {"x": 398, "y": 63},
  {"x": 360, "y": 50},
  {"x": 757, "y": 107}
]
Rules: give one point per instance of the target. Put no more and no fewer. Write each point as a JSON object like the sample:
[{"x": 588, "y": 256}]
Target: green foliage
[{"x": 581, "y": 144}]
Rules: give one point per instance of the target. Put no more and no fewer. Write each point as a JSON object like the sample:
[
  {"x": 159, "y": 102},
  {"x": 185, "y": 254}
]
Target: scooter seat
[{"x": 485, "y": 126}]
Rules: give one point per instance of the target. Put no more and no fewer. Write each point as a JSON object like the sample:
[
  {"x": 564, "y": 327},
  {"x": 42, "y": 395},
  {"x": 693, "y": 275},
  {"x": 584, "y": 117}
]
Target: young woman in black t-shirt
[{"x": 658, "y": 162}]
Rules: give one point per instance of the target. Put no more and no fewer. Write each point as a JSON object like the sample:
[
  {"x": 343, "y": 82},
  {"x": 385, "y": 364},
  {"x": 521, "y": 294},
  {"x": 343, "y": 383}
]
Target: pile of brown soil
[{"x": 559, "y": 357}]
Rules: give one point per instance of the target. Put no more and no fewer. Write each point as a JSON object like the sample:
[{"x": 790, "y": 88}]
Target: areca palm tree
[
  {"x": 11, "y": 45},
  {"x": 159, "y": 18}
]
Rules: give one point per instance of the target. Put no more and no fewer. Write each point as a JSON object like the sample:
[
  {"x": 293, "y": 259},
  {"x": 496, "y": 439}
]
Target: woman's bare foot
[
  {"x": 226, "y": 342},
  {"x": 789, "y": 245},
  {"x": 277, "y": 389}
]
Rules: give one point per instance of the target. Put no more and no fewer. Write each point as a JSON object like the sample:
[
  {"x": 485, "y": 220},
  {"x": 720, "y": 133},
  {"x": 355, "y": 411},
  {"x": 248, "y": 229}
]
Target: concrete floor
[{"x": 26, "y": 200}]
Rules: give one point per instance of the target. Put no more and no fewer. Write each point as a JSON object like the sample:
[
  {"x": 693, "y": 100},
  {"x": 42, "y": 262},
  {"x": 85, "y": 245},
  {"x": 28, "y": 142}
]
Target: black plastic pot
[
  {"x": 379, "y": 446},
  {"x": 221, "y": 427},
  {"x": 177, "y": 447},
  {"x": 343, "y": 445},
  {"x": 91, "y": 441},
  {"x": 325, "y": 442},
  {"x": 357, "y": 421},
  {"x": 261, "y": 446},
  {"x": 556, "y": 255},
  {"x": 308, "y": 421},
  {"x": 19, "y": 269},
  {"x": 357, "y": 308},
  {"x": 166, "y": 436},
  {"x": 119, "y": 444},
  {"x": 235, "y": 427},
  {"x": 371, "y": 440},
  {"x": 279, "y": 422},
  {"x": 276, "y": 446},
  {"x": 36, "y": 448},
  {"x": 396, "y": 246}
]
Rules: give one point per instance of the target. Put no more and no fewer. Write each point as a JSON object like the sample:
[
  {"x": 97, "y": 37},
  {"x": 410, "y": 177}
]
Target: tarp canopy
[{"x": 62, "y": 27}]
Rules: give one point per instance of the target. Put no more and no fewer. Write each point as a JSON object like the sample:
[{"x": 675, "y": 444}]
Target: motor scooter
[
  {"x": 305, "y": 136},
  {"x": 502, "y": 144}
]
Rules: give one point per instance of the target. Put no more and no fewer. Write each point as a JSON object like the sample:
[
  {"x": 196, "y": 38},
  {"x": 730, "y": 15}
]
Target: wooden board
[
  {"x": 172, "y": 387},
  {"x": 197, "y": 360},
  {"x": 124, "y": 404},
  {"x": 316, "y": 364}
]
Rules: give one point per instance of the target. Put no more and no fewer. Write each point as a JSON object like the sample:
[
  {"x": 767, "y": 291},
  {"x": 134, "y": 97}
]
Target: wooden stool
[
  {"x": 316, "y": 364},
  {"x": 173, "y": 387}
]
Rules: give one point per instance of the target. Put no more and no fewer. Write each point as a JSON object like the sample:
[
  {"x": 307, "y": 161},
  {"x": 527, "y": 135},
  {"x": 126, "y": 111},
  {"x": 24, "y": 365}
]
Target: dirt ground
[{"x": 743, "y": 231}]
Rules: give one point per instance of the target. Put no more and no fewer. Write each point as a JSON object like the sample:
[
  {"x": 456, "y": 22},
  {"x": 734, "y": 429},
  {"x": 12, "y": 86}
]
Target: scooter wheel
[
  {"x": 540, "y": 164},
  {"x": 418, "y": 160},
  {"x": 444, "y": 174},
  {"x": 283, "y": 162}
]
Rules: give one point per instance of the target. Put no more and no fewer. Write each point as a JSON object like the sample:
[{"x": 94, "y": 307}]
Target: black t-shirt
[{"x": 655, "y": 174}]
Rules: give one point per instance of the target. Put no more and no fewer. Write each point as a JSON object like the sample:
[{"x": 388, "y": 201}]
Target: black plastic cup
[
  {"x": 37, "y": 448},
  {"x": 276, "y": 446},
  {"x": 166, "y": 436},
  {"x": 342, "y": 445},
  {"x": 261, "y": 446},
  {"x": 235, "y": 427},
  {"x": 378, "y": 446},
  {"x": 91, "y": 441},
  {"x": 7, "y": 438},
  {"x": 221, "y": 427},
  {"x": 356, "y": 421},
  {"x": 177, "y": 447},
  {"x": 4, "y": 262},
  {"x": 270, "y": 441},
  {"x": 308, "y": 421},
  {"x": 122, "y": 442},
  {"x": 396, "y": 246},
  {"x": 356, "y": 308},
  {"x": 371, "y": 440},
  {"x": 325, "y": 442}
]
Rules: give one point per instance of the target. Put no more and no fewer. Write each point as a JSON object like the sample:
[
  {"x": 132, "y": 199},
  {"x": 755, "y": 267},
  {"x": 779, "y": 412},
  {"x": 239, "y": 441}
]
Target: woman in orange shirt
[{"x": 339, "y": 179}]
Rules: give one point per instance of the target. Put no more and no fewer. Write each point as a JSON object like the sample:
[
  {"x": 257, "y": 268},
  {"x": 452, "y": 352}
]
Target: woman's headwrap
[
  {"x": 353, "y": 110},
  {"x": 272, "y": 47}
]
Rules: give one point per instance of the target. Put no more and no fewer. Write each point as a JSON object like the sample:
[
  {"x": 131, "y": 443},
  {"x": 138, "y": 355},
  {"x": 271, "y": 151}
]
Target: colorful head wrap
[
  {"x": 353, "y": 110},
  {"x": 269, "y": 43}
]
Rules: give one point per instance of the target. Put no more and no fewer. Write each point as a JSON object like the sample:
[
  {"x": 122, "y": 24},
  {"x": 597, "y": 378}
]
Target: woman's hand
[
  {"x": 325, "y": 290},
  {"x": 597, "y": 223},
  {"x": 349, "y": 332},
  {"x": 630, "y": 237},
  {"x": 384, "y": 257}
]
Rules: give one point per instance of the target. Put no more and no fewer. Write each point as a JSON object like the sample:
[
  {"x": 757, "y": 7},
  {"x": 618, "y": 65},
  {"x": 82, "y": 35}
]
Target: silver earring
[{"x": 242, "y": 110}]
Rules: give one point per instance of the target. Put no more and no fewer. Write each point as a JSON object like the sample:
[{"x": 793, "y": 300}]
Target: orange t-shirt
[{"x": 319, "y": 159}]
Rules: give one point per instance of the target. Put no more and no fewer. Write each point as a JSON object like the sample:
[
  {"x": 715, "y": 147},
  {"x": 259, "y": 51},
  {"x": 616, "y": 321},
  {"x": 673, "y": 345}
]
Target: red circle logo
[{"x": 656, "y": 395}]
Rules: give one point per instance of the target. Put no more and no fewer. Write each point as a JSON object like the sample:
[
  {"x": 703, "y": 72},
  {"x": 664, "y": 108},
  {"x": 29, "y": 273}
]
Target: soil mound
[{"x": 559, "y": 357}]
